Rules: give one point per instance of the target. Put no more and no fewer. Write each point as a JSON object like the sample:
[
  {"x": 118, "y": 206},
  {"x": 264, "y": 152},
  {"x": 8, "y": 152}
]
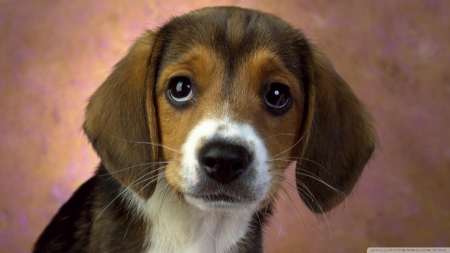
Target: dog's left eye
[
  {"x": 180, "y": 89},
  {"x": 278, "y": 97}
]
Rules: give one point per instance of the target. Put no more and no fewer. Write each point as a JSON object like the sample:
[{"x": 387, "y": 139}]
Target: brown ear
[
  {"x": 121, "y": 122},
  {"x": 339, "y": 138}
]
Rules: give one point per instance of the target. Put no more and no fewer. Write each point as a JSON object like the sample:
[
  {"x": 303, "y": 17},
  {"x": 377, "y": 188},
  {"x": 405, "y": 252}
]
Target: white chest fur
[{"x": 175, "y": 227}]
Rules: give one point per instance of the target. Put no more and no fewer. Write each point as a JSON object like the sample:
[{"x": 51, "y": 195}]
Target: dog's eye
[
  {"x": 278, "y": 96},
  {"x": 180, "y": 89}
]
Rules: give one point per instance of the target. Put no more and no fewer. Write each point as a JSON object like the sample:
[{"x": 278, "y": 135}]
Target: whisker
[
  {"x": 126, "y": 231},
  {"x": 303, "y": 190},
  {"x": 306, "y": 173},
  {"x": 208, "y": 229},
  {"x": 148, "y": 143},
  {"x": 167, "y": 189},
  {"x": 316, "y": 202},
  {"x": 139, "y": 165},
  {"x": 298, "y": 212},
  {"x": 286, "y": 159},
  {"x": 275, "y": 135},
  {"x": 290, "y": 146},
  {"x": 259, "y": 219},
  {"x": 152, "y": 179},
  {"x": 133, "y": 183},
  {"x": 274, "y": 198},
  {"x": 98, "y": 216},
  {"x": 342, "y": 194},
  {"x": 281, "y": 218}
]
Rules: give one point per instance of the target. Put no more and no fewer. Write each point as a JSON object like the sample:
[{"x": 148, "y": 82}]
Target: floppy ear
[
  {"x": 339, "y": 138},
  {"x": 121, "y": 121}
]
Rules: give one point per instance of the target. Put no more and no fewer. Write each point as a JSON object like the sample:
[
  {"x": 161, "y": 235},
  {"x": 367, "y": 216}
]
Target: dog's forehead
[{"x": 233, "y": 34}]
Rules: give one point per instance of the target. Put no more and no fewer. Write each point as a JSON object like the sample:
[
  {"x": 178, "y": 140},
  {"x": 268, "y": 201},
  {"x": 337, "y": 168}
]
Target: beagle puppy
[{"x": 195, "y": 127}]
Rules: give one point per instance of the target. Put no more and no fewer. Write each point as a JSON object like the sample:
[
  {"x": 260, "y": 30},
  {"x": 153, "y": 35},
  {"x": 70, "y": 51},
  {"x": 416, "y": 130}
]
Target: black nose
[{"x": 224, "y": 162}]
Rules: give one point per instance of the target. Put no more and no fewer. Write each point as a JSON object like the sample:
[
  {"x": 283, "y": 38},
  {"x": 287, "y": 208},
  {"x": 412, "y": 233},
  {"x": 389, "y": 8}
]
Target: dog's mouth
[
  {"x": 219, "y": 197},
  {"x": 215, "y": 201}
]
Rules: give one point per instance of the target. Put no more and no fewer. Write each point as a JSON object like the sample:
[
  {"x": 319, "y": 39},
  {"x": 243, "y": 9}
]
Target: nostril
[
  {"x": 224, "y": 162},
  {"x": 236, "y": 166},
  {"x": 209, "y": 162}
]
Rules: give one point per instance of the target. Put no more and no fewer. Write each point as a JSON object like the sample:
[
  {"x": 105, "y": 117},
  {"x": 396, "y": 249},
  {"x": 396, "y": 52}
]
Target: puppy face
[
  {"x": 226, "y": 98},
  {"x": 235, "y": 92},
  {"x": 255, "y": 108}
]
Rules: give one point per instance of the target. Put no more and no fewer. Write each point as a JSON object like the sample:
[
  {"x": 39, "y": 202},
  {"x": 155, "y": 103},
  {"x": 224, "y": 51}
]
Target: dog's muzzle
[{"x": 224, "y": 166}]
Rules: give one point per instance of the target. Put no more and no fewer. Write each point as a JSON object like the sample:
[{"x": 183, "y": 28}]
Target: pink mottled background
[{"x": 394, "y": 54}]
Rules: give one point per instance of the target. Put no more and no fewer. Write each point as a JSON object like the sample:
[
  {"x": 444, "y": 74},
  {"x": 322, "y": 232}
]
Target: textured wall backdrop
[{"x": 394, "y": 54}]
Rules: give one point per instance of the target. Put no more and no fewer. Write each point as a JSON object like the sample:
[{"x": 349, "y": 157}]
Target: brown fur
[
  {"x": 120, "y": 115},
  {"x": 340, "y": 138},
  {"x": 232, "y": 54}
]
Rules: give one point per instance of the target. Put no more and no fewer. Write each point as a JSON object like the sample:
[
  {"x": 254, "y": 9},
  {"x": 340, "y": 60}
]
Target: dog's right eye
[
  {"x": 278, "y": 98},
  {"x": 180, "y": 89}
]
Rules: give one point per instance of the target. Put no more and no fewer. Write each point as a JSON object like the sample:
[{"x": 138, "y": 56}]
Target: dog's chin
[{"x": 222, "y": 202}]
